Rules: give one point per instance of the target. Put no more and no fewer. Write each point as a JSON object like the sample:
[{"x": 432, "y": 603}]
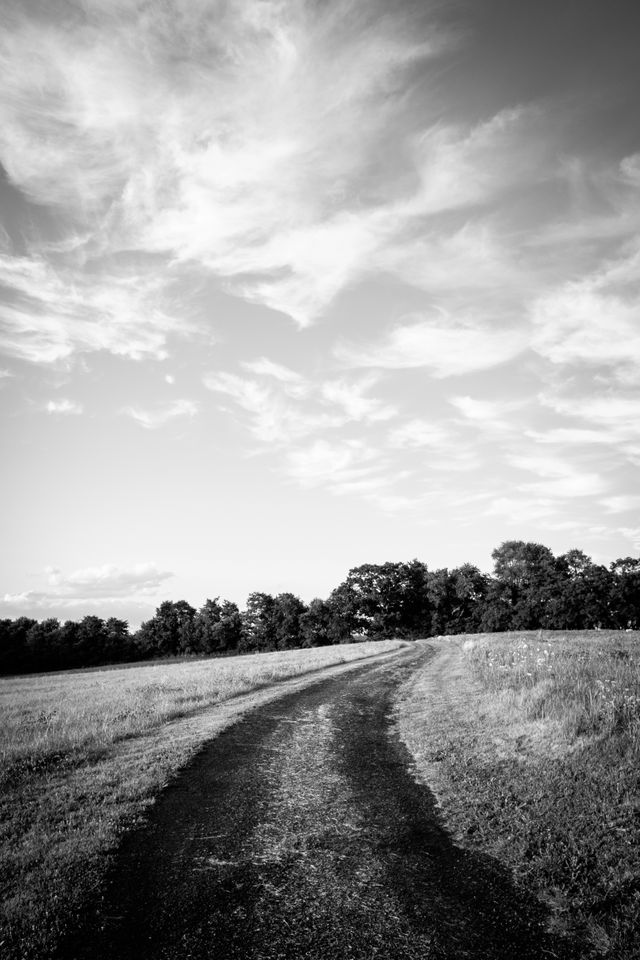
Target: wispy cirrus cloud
[
  {"x": 622, "y": 503},
  {"x": 488, "y": 414},
  {"x": 306, "y": 425},
  {"x": 253, "y": 141},
  {"x": 208, "y": 148},
  {"x": 152, "y": 419},
  {"x": 51, "y": 313},
  {"x": 604, "y": 204},
  {"x": 594, "y": 321},
  {"x": 612, "y": 415},
  {"x": 272, "y": 414},
  {"x": 353, "y": 399},
  {"x": 327, "y": 462},
  {"x": 267, "y": 368},
  {"x": 418, "y": 434},
  {"x": 281, "y": 406},
  {"x": 558, "y": 476},
  {"x": 64, "y": 406},
  {"x": 446, "y": 345}
]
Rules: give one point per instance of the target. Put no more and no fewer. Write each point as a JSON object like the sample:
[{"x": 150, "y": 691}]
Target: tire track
[{"x": 300, "y": 832}]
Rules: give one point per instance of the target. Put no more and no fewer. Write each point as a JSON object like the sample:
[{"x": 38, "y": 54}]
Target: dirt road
[{"x": 301, "y": 833}]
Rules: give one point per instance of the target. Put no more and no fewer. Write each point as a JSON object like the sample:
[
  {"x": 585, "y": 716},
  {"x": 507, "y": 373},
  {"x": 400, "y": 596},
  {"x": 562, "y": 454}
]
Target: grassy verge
[
  {"x": 83, "y": 755},
  {"x": 531, "y": 742}
]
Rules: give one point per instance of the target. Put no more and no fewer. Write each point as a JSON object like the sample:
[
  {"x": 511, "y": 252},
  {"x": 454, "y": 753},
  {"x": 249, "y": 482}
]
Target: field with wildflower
[{"x": 532, "y": 745}]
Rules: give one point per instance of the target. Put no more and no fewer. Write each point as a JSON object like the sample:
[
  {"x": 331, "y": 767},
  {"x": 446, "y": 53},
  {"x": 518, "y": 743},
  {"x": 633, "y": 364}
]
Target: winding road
[{"x": 300, "y": 832}]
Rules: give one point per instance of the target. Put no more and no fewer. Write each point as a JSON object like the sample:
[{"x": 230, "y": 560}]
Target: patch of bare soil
[{"x": 301, "y": 832}]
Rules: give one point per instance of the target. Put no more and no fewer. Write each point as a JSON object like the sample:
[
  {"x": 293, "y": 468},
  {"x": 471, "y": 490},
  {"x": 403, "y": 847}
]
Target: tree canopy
[{"x": 529, "y": 588}]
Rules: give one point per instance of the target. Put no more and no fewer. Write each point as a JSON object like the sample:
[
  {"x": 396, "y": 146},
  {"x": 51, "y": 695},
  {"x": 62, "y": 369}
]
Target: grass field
[
  {"x": 534, "y": 754},
  {"x": 83, "y": 755}
]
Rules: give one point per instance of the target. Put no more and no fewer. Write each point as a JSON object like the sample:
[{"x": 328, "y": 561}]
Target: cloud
[
  {"x": 254, "y": 142},
  {"x": 594, "y": 321},
  {"x": 227, "y": 144},
  {"x": 618, "y": 413},
  {"x": 605, "y": 203},
  {"x": 418, "y": 433},
  {"x": 333, "y": 464},
  {"x": 632, "y": 534},
  {"x": 274, "y": 417},
  {"x": 461, "y": 168},
  {"x": 152, "y": 419},
  {"x": 521, "y": 509},
  {"x": 50, "y": 313},
  {"x": 622, "y": 503},
  {"x": 351, "y": 398},
  {"x": 570, "y": 436},
  {"x": 267, "y": 368},
  {"x": 560, "y": 478},
  {"x": 284, "y": 407},
  {"x": 487, "y": 414},
  {"x": 447, "y": 346},
  {"x": 64, "y": 406},
  {"x": 103, "y": 591},
  {"x": 108, "y": 580},
  {"x": 471, "y": 259}
]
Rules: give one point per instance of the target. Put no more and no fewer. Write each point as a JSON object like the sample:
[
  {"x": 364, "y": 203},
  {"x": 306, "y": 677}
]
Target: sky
[{"x": 287, "y": 287}]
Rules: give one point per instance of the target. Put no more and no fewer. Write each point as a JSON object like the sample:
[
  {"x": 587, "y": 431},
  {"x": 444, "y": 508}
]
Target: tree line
[{"x": 529, "y": 588}]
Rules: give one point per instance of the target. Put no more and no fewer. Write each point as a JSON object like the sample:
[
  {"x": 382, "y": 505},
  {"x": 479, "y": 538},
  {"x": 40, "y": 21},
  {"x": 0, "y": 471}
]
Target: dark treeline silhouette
[{"x": 529, "y": 589}]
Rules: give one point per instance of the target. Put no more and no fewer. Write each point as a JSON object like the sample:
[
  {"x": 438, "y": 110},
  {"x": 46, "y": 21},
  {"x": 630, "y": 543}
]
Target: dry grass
[
  {"x": 534, "y": 752},
  {"x": 85, "y": 752}
]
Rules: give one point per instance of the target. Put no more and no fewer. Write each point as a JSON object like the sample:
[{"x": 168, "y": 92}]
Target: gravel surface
[{"x": 301, "y": 832}]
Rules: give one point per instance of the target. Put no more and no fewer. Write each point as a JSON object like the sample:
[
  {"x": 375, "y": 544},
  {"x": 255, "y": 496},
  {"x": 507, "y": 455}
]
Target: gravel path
[{"x": 300, "y": 832}]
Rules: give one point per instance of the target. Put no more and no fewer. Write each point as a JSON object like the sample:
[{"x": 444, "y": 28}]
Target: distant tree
[
  {"x": 216, "y": 627},
  {"x": 228, "y": 631},
  {"x": 14, "y": 655},
  {"x": 287, "y": 612},
  {"x": 581, "y": 597},
  {"x": 470, "y": 588},
  {"x": 496, "y": 612},
  {"x": 43, "y": 645},
  {"x": 625, "y": 593},
  {"x": 317, "y": 624},
  {"x": 204, "y": 624},
  {"x": 526, "y": 578},
  {"x": 169, "y": 632},
  {"x": 346, "y": 619},
  {"x": 91, "y": 642},
  {"x": 118, "y": 645},
  {"x": 456, "y": 599},
  {"x": 69, "y": 643},
  {"x": 389, "y": 599},
  {"x": 258, "y": 624},
  {"x": 441, "y": 594}
]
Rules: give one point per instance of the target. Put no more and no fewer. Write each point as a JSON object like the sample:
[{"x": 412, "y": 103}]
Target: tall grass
[
  {"x": 567, "y": 795},
  {"x": 588, "y": 683},
  {"x": 531, "y": 741}
]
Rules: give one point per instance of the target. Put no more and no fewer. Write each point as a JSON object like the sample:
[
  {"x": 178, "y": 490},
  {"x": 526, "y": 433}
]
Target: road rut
[{"x": 300, "y": 832}]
